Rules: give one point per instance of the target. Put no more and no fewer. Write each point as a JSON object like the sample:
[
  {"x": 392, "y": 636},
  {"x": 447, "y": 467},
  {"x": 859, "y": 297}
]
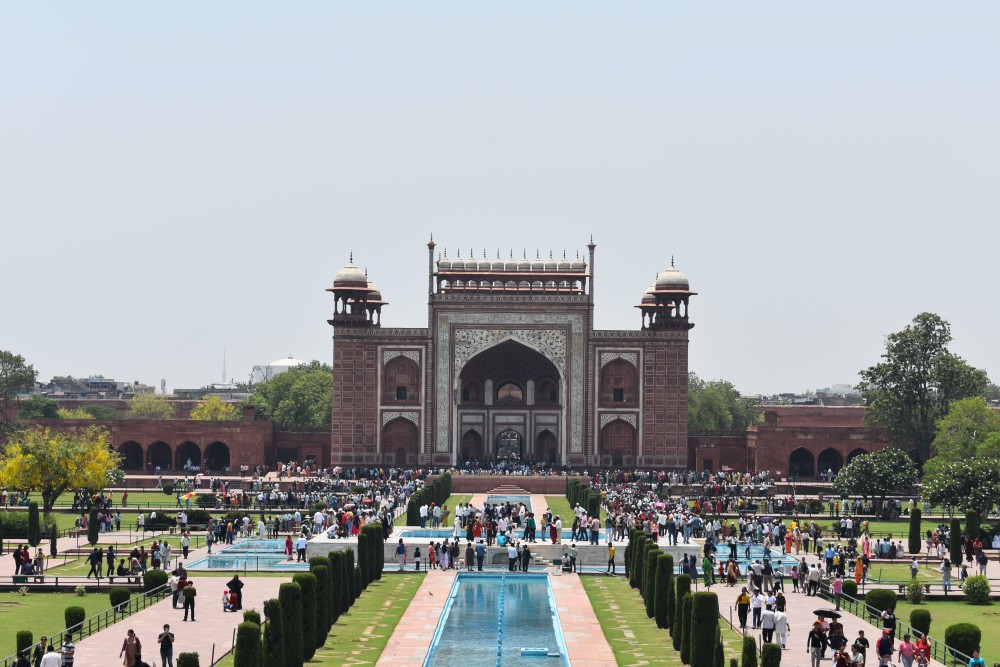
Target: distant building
[
  {"x": 225, "y": 391},
  {"x": 93, "y": 387}
]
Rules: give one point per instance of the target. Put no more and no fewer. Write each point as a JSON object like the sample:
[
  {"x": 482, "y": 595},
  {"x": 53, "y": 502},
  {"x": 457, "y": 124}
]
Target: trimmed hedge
[
  {"x": 749, "y": 658},
  {"x": 34, "y": 525},
  {"x": 320, "y": 566},
  {"x": 153, "y": 579},
  {"x": 920, "y": 620},
  {"x": 770, "y": 655},
  {"x": 74, "y": 617},
  {"x": 664, "y": 590},
  {"x": 346, "y": 573},
  {"x": 15, "y": 525},
  {"x": 435, "y": 492},
  {"x": 251, "y": 616},
  {"x": 353, "y": 576},
  {"x": 119, "y": 595},
  {"x": 25, "y": 640},
  {"x": 93, "y": 527},
  {"x": 638, "y": 551},
  {"x": 850, "y": 588},
  {"x": 649, "y": 578},
  {"x": 964, "y": 637},
  {"x": 247, "y": 650},
  {"x": 881, "y": 598},
  {"x": 307, "y": 582},
  {"x": 955, "y": 543},
  {"x": 972, "y": 524},
  {"x": 187, "y": 660},
  {"x": 337, "y": 601},
  {"x": 274, "y": 648},
  {"x": 682, "y": 587},
  {"x": 685, "y": 629},
  {"x": 364, "y": 560},
  {"x": 290, "y": 597},
  {"x": 977, "y": 589},
  {"x": 704, "y": 626}
]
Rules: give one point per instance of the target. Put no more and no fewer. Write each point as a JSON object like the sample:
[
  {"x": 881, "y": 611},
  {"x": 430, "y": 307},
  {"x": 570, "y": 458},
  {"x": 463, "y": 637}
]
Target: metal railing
[
  {"x": 939, "y": 650},
  {"x": 101, "y": 621}
]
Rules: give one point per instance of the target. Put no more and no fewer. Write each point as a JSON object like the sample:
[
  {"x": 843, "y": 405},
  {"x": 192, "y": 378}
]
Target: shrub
[
  {"x": 850, "y": 588},
  {"x": 119, "y": 595},
  {"x": 247, "y": 650},
  {"x": 34, "y": 525},
  {"x": 25, "y": 640},
  {"x": 53, "y": 538},
  {"x": 664, "y": 584},
  {"x": 881, "y": 599},
  {"x": 964, "y": 637},
  {"x": 15, "y": 525},
  {"x": 357, "y": 582},
  {"x": 977, "y": 589},
  {"x": 346, "y": 573},
  {"x": 749, "y": 652},
  {"x": 638, "y": 545},
  {"x": 168, "y": 488},
  {"x": 770, "y": 655},
  {"x": 649, "y": 579},
  {"x": 914, "y": 591},
  {"x": 685, "y": 613},
  {"x": 920, "y": 620},
  {"x": 80, "y": 590},
  {"x": 251, "y": 616},
  {"x": 704, "y": 624},
  {"x": 720, "y": 652},
  {"x": 353, "y": 584},
  {"x": 682, "y": 586},
  {"x": 74, "y": 617},
  {"x": 364, "y": 559},
  {"x": 274, "y": 650},
  {"x": 733, "y": 662},
  {"x": 187, "y": 660},
  {"x": 955, "y": 542},
  {"x": 307, "y": 582},
  {"x": 290, "y": 597},
  {"x": 153, "y": 579},
  {"x": 914, "y": 543}
]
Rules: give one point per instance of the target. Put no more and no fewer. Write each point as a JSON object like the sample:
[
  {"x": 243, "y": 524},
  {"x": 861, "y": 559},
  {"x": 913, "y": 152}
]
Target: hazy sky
[{"x": 186, "y": 178}]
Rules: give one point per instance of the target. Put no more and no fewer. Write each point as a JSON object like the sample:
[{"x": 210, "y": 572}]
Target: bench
[
  {"x": 23, "y": 578},
  {"x": 129, "y": 579}
]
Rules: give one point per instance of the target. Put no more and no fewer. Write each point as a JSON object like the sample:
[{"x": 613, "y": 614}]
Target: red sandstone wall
[
  {"x": 553, "y": 486},
  {"x": 721, "y": 450}
]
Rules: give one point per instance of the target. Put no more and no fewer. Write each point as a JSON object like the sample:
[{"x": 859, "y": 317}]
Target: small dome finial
[
  {"x": 672, "y": 262},
  {"x": 351, "y": 260}
]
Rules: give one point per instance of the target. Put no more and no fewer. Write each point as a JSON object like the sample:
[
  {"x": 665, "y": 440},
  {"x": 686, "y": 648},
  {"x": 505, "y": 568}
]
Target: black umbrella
[{"x": 828, "y": 613}]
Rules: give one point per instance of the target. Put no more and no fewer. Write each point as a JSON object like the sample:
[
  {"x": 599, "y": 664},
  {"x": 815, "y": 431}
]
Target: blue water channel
[
  {"x": 250, "y": 556},
  {"x": 499, "y": 619}
]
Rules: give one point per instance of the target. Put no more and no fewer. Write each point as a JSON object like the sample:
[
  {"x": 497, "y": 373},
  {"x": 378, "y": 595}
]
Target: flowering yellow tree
[
  {"x": 53, "y": 462},
  {"x": 214, "y": 409},
  {"x": 75, "y": 413}
]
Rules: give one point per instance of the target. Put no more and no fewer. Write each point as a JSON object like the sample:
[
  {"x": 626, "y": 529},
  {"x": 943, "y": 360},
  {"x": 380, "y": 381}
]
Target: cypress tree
[
  {"x": 649, "y": 580},
  {"x": 364, "y": 558},
  {"x": 913, "y": 539},
  {"x": 322, "y": 573},
  {"x": 955, "y": 542},
  {"x": 704, "y": 625},
  {"x": 247, "y": 650},
  {"x": 307, "y": 583},
  {"x": 290, "y": 597},
  {"x": 664, "y": 585},
  {"x": 345, "y": 583},
  {"x": 749, "y": 652},
  {"x": 972, "y": 524},
  {"x": 353, "y": 584},
  {"x": 720, "y": 653},
  {"x": 93, "y": 527},
  {"x": 682, "y": 587},
  {"x": 638, "y": 556},
  {"x": 685, "y": 613},
  {"x": 336, "y": 585},
  {"x": 274, "y": 648},
  {"x": 34, "y": 525}
]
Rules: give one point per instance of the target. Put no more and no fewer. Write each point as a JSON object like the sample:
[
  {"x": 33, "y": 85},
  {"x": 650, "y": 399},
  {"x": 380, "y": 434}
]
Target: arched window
[
  {"x": 472, "y": 392},
  {"x": 401, "y": 381},
  {"x": 509, "y": 394},
  {"x": 619, "y": 384},
  {"x": 548, "y": 394}
]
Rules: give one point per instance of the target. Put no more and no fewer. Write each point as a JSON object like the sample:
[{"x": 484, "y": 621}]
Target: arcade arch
[
  {"x": 618, "y": 440},
  {"x": 187, "y": 451},
  {"x": 800, "y": 464},
  {"x": 132, "y": 457},
  {"x": 217, "y": 457},
  {"x": 401, "y": 440},
  {"x": 830, "y": 459},
  {"x": 159, "y": 455}
]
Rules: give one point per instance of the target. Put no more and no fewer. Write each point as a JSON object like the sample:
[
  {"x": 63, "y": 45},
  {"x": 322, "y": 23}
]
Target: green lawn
[
  {"x": 560, "y": 505},
  {"x": 944, "y": 614},
  {"x": 451, "y": 503},
  {"x": 634, "y": 637},
  {"x": 41, "y": 613},
  {"x": 359, "y": 636}
]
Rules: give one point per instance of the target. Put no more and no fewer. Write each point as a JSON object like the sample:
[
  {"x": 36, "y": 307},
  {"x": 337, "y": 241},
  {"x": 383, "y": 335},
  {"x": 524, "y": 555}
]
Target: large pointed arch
[
  {"x": 400, "y": 442},
  {"x": 619, "y": 443}
]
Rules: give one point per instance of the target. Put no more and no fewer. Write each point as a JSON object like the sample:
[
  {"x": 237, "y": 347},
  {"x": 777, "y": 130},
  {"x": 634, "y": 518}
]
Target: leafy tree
[
  {"x": 916, "y": 383},
  {"x": 716, "y": 405},
  {"x": 50, "y": 463},
  {"x": 298, "y": 397},
  {"x": 101, "y": 412},
  {"x": 15, "y": 377},
  {"x": 38, "y": 407},
  {"x": 215, "y": 409},
  {"x": 75, "y": 413},
  {"x": 965, "y": 485},
  {"x": 876, "y": 475},
  {"x": 150, "y": 406},
  {"x": 969, "y": 429}
]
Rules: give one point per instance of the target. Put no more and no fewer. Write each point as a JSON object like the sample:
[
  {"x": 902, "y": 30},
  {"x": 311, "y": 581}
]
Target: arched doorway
[
  {"x": 400, "y": 442},
  {"x": 830, "y": 459},
  {"x": 472, "y": 446},
  {"x": 618, "y": 442},
  {"x": 131, "y": 452},
  {"x": 800, "y": 464},
  {"x": 159, "y": 456},
  {"x": 855, "y": 453},
  {"x": 509, "y": 445},
  {"x": 547, "y": 448},
  {"x": 217, "y": 457},
  {"x": 188, "y": 457}
]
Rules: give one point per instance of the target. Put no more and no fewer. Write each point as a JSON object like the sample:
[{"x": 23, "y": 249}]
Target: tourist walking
[
  {"x": 189, "y": 594},
  {"x": 166, "y": 642},
  {"x": 131, "y": 649},
  {"x": 611, "y": 559}
]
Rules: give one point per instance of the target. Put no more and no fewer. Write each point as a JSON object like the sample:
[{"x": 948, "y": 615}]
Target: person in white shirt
[
  {"x": 300, "y": 547},
  {"x": 767, "y": 624},
  {"x": 317, "y": 522},
  {"x": 756, "y": 607},
  {"x": 781, "y": 627}
]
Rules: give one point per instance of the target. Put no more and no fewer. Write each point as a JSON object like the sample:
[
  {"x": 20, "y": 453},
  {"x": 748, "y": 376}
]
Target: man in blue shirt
[{"x": 480, "y": 555}]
